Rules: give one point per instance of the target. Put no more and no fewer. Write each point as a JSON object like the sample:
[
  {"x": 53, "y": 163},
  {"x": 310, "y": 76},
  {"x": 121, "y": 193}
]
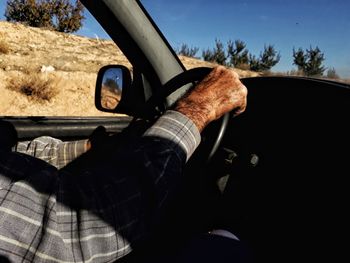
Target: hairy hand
[{"x": 218, "y": 93}]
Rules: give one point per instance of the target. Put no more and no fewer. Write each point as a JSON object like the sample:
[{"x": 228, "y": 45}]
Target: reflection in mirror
[{"x": 111, "y": 91}]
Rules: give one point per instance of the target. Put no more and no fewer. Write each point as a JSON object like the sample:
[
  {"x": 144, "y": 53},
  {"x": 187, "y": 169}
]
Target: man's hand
[{"x": 218, "y": 93}]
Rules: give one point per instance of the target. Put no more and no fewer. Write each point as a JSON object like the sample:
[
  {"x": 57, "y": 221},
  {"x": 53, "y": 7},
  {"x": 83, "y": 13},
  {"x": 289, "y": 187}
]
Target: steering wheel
[{"x": 156, "y": 102}]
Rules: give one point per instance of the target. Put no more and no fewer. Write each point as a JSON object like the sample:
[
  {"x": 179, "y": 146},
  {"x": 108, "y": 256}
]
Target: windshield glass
[
  {"x": 274, "y": 37},
  {"x": 49, "y": 69}
]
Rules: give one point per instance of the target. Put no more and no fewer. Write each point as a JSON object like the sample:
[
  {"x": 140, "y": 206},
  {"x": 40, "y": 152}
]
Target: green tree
[
  {"x": 68, "y": 17},
  {"x": 267, "y": 59},
  {"x": 217, "y": 55},
  {"x": 237, "y": 54},
  {"x": 254, "y": 63},
  {"x": 299, "y": 59},
  {"x": 29, "y": 12},
  {"x": 309, "y": 61},
  {"x": 187, "y": 51},
  {"x": 60, "y": 15}
]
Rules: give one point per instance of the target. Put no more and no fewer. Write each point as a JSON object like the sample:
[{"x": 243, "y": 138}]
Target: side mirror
[{"x": 112, "y": 82}]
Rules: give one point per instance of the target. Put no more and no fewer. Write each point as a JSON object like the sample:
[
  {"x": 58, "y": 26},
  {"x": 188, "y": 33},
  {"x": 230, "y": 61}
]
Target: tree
[
  {"x": 187, "y": 51},
  {"x": 332, "y": 74},
  {"x": 299, "y": 59},
  {"x": 111, "y": 84},
  {"x": 29, "y": 12},
  {"x": 217, "y": 55},
  {"x": 254, "y": 63},
  {"x": 267, "y": 59},
  {"x": 238, "y": 55},
  {"x": 60, "y": 15},
  {"x": 68, "y": 17},
  {"x": 309, "y": 61}
]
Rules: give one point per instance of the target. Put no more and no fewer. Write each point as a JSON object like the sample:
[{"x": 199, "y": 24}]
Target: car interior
[{"x": 276, "y": 175}]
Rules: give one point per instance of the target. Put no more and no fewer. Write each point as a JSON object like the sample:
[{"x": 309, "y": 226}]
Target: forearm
[{"x": 199, "y": 113}]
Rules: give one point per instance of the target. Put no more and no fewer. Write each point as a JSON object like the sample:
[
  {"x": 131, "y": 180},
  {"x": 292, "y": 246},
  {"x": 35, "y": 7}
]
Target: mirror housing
[{"x": 112, "y": 82}]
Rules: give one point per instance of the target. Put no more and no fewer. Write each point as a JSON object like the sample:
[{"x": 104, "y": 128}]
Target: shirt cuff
[
  {"x": 176, "y": 127},
  {"x": 68, "y": 151}
]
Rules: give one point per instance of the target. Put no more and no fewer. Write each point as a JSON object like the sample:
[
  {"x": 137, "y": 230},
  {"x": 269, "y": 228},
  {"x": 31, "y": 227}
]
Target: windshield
[
  {"x": 49, "y": 69},
  {"x": 274, "y": 37}
]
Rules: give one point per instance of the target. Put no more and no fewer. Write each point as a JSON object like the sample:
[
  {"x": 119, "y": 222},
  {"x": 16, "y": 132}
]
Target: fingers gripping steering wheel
[{"x": 191, "y": 76}]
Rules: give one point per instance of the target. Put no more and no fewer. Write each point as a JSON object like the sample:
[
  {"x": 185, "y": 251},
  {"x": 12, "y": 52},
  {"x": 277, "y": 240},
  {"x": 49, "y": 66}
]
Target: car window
[
  {"x": 259, "y": 38},
  {"x": 48, "y": 73}
]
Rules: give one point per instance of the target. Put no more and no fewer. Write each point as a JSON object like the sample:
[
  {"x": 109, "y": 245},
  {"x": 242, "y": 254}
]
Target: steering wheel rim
[{"x": 186, "y": 77}]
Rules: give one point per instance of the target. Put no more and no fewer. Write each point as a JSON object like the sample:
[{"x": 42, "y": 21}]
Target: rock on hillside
[{"x": 25, "y": 50}]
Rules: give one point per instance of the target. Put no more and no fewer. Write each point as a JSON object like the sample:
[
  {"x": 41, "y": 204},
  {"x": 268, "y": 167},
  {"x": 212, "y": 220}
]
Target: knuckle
[
  {"x": 235, "y": 74},
  {"x": 219, "y": 68},
  {"x": 244, "y": 90}
]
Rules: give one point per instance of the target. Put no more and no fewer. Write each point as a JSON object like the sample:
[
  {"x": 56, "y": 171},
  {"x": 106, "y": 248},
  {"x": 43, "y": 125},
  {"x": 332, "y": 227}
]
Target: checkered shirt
[{"x": 96, "y": 214}]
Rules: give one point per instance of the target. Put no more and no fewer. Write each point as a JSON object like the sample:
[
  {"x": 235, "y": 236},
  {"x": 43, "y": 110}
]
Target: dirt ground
[{"x": 26, "y": 51}]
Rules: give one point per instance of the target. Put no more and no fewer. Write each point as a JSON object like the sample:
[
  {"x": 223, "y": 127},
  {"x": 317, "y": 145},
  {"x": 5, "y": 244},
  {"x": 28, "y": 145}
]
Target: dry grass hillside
[{"x": 69, "y": 89}]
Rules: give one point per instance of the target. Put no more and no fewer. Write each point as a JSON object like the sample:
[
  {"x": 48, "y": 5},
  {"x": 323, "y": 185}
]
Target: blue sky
[{"x": 285, "y": 24}]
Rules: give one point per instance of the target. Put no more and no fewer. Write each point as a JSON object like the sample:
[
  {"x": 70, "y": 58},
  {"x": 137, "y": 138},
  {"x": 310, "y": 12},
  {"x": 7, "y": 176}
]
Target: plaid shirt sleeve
[
  {"x": 175, "y": 127},
  {"x": 52, "y": 150},
  {"x": 90, "y": 215}
]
